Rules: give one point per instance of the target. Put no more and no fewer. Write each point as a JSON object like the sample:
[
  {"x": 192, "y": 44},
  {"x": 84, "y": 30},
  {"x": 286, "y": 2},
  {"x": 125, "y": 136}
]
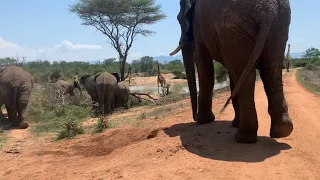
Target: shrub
[
  {"x": 221, "y": 73},
  {"x": 102, "y": 124},
  {"x": 178, "y": 74},
  {"x": 71, "y": 129},
  {"x": 311, "y": 67}
]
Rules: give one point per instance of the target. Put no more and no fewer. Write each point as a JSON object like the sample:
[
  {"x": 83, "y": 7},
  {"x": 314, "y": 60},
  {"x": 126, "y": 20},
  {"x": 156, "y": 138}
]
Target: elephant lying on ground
[
  {"x": 15, "y": 89},
  {"x": 237, "y": 34},
  {"x": 101, "y": 87},
  {"x": 65, "y": 87}
]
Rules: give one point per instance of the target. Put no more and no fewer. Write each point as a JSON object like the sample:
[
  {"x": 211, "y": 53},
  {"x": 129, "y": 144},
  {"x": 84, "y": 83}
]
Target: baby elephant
[
  {"x": 122, "y": 95},
  {"x": 65, "y": 87}
]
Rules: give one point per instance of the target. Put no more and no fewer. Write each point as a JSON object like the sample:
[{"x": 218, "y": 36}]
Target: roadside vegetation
[{"x": 308, "y": 73}]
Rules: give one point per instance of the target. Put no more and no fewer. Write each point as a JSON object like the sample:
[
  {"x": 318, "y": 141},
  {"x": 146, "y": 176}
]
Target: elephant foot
[
  {"x": 235, "y": 123},
  {"x": 24, "y": 125},
  {"x": 248, "y": 138},
  {"x": 282, "y": 129},
  {"x": 205, "y": 118}
]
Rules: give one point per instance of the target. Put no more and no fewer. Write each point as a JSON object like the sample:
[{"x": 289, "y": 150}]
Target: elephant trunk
[{"x": 187, "y": 54}]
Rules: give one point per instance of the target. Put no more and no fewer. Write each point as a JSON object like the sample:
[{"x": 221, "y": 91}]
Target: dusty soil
[
  {"x": 176, "y": 148},
  {"x": 152, "y": 80}
]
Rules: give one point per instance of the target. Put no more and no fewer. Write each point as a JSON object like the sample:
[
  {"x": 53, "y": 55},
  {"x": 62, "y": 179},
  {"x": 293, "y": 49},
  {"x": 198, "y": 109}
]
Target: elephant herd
[
  {"x": 104, "y": 88},
  {"x": 242, "y": 35},
  {"x": 16, "y": 85}
]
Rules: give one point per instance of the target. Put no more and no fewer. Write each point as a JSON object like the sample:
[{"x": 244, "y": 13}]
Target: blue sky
[{"x": 42, "y": 29}]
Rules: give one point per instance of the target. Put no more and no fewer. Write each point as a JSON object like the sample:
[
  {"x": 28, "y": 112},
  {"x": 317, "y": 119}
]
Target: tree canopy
[
  {"x": 312, "y": 53},
  {"x": 120, "y": 20}
]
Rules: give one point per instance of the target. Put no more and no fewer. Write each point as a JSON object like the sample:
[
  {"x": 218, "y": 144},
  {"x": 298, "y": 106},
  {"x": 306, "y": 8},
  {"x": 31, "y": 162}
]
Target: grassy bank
[{"x": 309, "y": 77}]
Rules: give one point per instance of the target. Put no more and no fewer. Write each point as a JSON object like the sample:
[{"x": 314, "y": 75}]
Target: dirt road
[{"x": 176, "y": 148}]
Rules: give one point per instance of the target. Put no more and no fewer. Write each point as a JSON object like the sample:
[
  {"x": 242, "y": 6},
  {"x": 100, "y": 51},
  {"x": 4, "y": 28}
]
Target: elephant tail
[
  {"x": 14, "y": 96},
  {"x": 265, "y": 26}
]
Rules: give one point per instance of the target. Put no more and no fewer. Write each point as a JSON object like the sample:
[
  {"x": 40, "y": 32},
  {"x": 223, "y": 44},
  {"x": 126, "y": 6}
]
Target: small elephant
[
  {"x": 65, "y": 87},
  {"x": 241, "y": 35},
  {"x": 122, "y": 95},
  {"x": 15, "y": 88},
  {"x": 88, "y": 82},
  {"x": 101, "y": 87}
]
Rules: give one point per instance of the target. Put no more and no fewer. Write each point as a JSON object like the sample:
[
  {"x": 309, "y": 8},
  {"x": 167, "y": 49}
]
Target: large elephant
[
  {"x": 66, "y": 87},
  {"x": 15, "y": 89},
  {"x": 237, "y": 34},
  {"x": 101, "y": 87}
]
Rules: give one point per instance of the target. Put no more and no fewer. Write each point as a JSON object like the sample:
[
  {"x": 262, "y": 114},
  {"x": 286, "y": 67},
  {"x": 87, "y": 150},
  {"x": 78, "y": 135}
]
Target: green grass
[
  {"x": 3, "y": 139},
  {"x": 309, "y": 77},
  {"x": 48, "y": 115}
]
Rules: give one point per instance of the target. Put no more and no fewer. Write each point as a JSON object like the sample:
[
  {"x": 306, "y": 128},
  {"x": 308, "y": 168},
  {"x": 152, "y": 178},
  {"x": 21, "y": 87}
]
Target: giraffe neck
[{"x": 288, "y": 53}]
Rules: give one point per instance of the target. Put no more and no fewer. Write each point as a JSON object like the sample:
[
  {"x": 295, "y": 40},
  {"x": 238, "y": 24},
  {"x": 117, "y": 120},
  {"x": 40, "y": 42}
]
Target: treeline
[
  {"x": 310, "y": 58},
  {"x": 45, "y": 71}
]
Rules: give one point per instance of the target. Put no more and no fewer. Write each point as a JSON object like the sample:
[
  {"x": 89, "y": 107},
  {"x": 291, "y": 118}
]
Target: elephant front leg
[
  {"x": 12, "y": 115},
  {"x": 206, "y": 84}
]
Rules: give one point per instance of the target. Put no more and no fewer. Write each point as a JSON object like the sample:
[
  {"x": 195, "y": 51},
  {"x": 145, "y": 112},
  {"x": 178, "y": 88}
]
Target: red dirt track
[{"x": 177, "y": 148}]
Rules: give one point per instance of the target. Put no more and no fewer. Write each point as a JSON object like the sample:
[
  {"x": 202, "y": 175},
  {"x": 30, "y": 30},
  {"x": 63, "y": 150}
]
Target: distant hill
[{"x": 166, "y": 59}]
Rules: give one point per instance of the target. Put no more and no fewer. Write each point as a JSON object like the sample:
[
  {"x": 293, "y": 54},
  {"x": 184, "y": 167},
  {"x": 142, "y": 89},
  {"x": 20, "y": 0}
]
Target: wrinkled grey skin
[
  {"x": 101, "y": 87},
  {"x": 237, "y": 34},
  {"x": 66, "y": 87},
  {"x": 15, "y": 87},
  {"x": 88, "y": 82},
  {"x": 122, "y": 95}
]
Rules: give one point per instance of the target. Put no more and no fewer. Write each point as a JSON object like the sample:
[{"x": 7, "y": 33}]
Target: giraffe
[
  {"x": 287, "y": 59},
  {"x": 161, "y": 80}
]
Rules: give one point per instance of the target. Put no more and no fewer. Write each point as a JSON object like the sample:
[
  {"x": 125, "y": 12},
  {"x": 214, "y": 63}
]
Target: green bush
[
  {"x": 178, "y": 74},
  {"x": 50, "y": 115},
  {"x": 221, "y": 73},
  {"x": 71, "y": 129},
  {"x": 311, "y": 67},
  {"x": 102, "y": 124}
]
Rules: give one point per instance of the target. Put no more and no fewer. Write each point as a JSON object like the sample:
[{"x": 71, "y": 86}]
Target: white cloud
[
  {"x": 65, "y": 50},
  {"x": 7, "y": 45},
  {"x": 69, "y": 46}
]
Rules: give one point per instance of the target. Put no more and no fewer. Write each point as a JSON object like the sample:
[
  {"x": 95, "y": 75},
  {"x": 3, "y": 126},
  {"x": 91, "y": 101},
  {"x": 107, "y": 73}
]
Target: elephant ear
[
  {"x": 185, "y": 17},
  {"x": 95, "y": 77}
]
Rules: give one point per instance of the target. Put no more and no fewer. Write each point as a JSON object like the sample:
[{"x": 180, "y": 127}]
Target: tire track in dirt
[{"x": 183, "y": 150}]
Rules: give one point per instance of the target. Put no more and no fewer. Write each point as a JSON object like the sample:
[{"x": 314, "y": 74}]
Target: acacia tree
[
  {"x": 312, "y": 53},
  {"x": 120, "y": 20}
]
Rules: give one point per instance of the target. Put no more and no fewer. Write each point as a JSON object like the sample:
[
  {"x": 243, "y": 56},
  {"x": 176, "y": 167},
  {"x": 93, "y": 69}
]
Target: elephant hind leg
[
  {"x": 271, "y": 75},
  {"x": 206, "y": 84},
  {"x": 235, "y": 103},
  {"x": 235, "y": 58}
]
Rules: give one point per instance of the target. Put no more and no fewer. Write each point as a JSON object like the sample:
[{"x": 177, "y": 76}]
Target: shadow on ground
[{"x": 216, "y": 141}]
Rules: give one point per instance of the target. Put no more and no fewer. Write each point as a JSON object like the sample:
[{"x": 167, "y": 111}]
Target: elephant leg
[
  {"x": 109, "y": 102},
  {"x": 12, "y": 115},
  {"x": 101, "y": 97},
  {"x": 271, "y": 75},
  {"x": 235, "y": 103},
  {"x": 22, "y": 109},
  {"x": 248, "y": 122},
  {"x": 206, "y": 84}
]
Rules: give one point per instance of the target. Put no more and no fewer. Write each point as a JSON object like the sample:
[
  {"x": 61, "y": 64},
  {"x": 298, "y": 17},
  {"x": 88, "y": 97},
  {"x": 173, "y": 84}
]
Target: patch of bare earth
[
  {"x": 174, "y": 147},
  {"x": 152, "y": 80}
]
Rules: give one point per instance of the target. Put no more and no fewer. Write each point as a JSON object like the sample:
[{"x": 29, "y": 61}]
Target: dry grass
[{"x": 310, "y": 78}]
